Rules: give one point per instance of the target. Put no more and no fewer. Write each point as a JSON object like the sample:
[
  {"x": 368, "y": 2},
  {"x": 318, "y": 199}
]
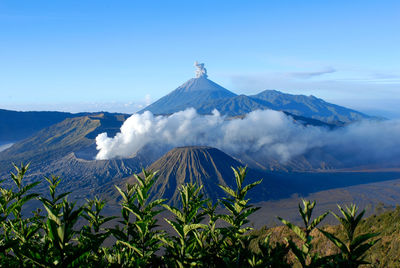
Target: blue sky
[{"x": 120, "y": 55}]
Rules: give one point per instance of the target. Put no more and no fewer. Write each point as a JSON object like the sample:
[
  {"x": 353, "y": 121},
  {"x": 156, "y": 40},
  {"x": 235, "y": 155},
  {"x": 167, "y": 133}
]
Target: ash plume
[{"x": 200, "y": 70}]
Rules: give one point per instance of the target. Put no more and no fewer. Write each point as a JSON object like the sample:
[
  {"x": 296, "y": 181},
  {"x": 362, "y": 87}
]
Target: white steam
[
  {"x": 269, "y": 131},
  {"x": 265, "y": 133},
  {"x": 366, "y": 142}
]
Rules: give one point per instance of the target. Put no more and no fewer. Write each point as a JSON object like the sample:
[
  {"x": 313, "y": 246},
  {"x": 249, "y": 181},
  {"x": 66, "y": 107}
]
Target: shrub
[{"x": 66, "y": 235}]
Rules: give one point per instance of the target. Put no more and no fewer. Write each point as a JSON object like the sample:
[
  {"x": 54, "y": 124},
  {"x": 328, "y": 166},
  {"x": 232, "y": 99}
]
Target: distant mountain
[
  {"x": 15, "y": 126},
  {"x": 204, "y": 95},
  {"x": 53, "y": 142},
  {"x": 308, "y": 106},
  {"x": 194, "y": 92},
  {"x": 205, "y": 166},
  {"x": 242, "y": 104}
]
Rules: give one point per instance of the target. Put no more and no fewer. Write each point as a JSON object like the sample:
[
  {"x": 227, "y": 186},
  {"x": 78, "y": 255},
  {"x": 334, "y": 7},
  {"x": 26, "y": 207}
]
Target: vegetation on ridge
[{"x": 64, "y": 235}]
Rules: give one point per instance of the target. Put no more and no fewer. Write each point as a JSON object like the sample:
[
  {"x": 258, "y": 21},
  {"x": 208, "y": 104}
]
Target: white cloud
[{"x": 267, "y": 133}]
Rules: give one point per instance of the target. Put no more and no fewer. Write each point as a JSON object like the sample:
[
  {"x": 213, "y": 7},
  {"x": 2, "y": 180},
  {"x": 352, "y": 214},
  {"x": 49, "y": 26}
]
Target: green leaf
[
  {"x": 175, "y": 211},
  {"x": 361, "y": 239},
  {"x": 297, "y": 230},
  {"x": 317, "y": 220},
  {"x": 177, "y": 227},
  {"x": 122, "y": 193},
  {"x": 228, "y": 190},
  {"x": 191, "y": 227},
  {"x": 249, "y": 187},
  {"x": 130, "y": 246},
  {"x": 228, "y": 219},
  {"x": 362, "y": 249}
]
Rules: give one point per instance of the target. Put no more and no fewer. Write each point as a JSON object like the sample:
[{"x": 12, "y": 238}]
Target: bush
[{"x": 203, "y": 238}]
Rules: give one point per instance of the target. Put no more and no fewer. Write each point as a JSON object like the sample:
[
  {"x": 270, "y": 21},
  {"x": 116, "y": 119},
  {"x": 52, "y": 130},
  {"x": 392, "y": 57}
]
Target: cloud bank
[
  {"x": 269, "y": 131},
  {"x": 265, "y": 133}
]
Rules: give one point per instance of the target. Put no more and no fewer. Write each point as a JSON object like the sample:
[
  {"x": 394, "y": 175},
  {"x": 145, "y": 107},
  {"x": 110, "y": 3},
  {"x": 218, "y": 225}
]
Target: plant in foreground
[
  {"x": 352, "y": 252},
  {"x": 66, "y": 235},
  {"x": 17, "y": 232},
  {"x": 236, "y": 240},
  {"x": 184, "y": 250},
  {"x": 303, "y": 253},
  {"x": 138, "y": 240}
]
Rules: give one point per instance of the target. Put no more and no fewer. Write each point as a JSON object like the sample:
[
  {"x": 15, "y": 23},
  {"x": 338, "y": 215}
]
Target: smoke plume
[{"x": 200, "y": 70}]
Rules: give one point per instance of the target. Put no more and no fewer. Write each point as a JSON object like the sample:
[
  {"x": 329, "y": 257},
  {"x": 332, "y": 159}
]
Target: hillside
[
  {"x": 15, "y": 125},
  {"x": 384, "y": 254},
  {"x": 67, "y": 149}
]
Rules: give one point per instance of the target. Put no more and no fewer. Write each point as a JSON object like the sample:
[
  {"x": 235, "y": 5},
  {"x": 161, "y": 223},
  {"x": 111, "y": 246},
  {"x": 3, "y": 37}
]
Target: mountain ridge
[
  {"x": 31, "y": 121},
  {"x": 205, "y": 95},
  {"x": 308, "y": 106}
]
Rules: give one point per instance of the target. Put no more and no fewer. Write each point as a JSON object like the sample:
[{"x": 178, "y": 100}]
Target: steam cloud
[{"x": 267, "y": 133}]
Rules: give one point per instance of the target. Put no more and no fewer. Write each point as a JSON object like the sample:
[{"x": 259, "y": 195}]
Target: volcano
[
  {"x": 192, "y": 93},
  {"x": 205, "y": 166}
]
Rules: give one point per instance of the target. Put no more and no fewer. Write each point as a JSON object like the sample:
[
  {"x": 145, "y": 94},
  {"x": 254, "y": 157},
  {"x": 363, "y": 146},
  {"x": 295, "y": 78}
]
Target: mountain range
[{"x": 204, "y": 95}]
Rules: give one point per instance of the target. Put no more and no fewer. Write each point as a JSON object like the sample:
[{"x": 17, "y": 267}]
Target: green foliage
[
  {"x": 138, "y": 240},
  {"x": 304, "y": 253},
  {"x": 353, "y": 251},
  {"x": 207, "y": 234},
  {"x": 183, "y": 250},
  {"x": 268, "y": 255},
  {"x": 236, "y": 251},
  {"x": 15, "y": 231}
]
